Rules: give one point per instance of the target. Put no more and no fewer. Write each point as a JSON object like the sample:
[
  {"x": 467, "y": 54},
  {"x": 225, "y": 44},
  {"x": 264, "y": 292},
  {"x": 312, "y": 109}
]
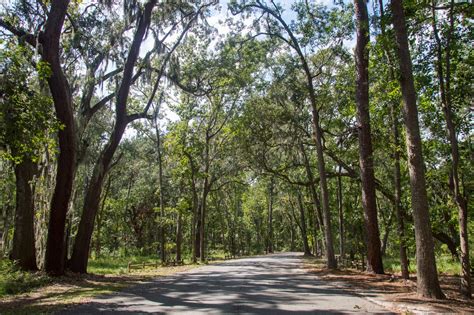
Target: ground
[
  {"x": 278, "y": 283},
  {"x": 271, "y": 284},
  {"x": 393, "y": 292}
]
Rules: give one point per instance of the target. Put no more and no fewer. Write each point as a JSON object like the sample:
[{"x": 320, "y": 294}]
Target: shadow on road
[{"x": 272, "y": 284}]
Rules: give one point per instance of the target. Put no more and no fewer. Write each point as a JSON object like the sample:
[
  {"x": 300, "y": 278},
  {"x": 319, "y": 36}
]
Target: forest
[{"x": 193, "y": 130}]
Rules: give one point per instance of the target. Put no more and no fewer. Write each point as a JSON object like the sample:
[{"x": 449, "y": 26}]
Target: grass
[
  {"x": 445, "y": 264},
  {"x": 26, "y": 292},
  {"x": 14, "y": 281},
  {"x": 115, "y": 265}
]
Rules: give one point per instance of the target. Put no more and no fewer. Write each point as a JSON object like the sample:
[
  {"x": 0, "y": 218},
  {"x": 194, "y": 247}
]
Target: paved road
[{"x": 272, "y": 284}]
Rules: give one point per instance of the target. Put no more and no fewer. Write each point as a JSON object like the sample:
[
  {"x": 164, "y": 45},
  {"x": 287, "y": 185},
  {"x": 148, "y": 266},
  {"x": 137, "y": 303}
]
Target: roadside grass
[
  {"x": 27, "y": 292},
  {"x": 14, "y": 281},
  {"x": 445, "y": 264}
]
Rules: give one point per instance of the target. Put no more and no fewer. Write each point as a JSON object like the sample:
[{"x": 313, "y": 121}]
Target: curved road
[{"x": 272, "y": 284}]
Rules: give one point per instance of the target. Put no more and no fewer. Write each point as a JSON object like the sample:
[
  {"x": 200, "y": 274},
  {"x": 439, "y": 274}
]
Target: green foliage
[{"x": 26, "y": 113}]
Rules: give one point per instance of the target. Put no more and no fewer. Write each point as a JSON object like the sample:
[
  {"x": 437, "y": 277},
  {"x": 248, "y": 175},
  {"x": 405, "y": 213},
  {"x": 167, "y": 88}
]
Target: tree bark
[
  {"x": 397, "y": 183},
  {"x": 24, "y": 251},
  {"x": 312, "y": 190},
  {"x": 427, "y": 277},
  {"x": 59, "y": 87},
  {"x": 341, "y": 214},
  {"x": 179, "y": 236},
  {"x": 444, "y": 79},
  {"x": 304, "y": 234},
  {"x": 374, "y": 256},
  {"x": 80, "y": 254},
  {"x": 270, "y": 217},
  {"x": 160, "y": 184}
]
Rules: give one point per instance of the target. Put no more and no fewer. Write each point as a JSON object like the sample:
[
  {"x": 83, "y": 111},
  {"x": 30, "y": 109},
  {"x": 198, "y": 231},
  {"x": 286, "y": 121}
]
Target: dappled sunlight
[{"x": 265, "y": 285}]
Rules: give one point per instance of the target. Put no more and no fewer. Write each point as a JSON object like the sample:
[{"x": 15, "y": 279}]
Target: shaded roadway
[{"x": 271, "y": 284}]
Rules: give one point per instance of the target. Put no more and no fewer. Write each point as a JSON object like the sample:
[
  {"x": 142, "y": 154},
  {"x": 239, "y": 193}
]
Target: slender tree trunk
[
  {"x": 304, "y": 234},
  {"x": 98, "y": 244},
  {"x": 312, "y": 190},
  {"x": 24, "y": 251},
  {"x": 427, "y": 277},
  {"x": 205, "y": 191},
  {"x": 374, "y": 256},
  {"x": 444, "y": 79},
  {"x": 179, "y": 236},
  {"x": 80, "y": 257},
  {"x": 160, "y": 183},
  {"x": 388, "y": 226},
  {"x": 270, "y": 216},
  {"x": 397, "y": 183},
  {"x": 341, "y": 214},
  {"x": 197, "y": 240}
]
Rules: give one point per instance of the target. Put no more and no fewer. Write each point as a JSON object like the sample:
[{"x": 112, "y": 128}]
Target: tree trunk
[
  {"x": 427, "y": 277},
  {"x": 397, "y": 183},
  {"x": 388, "y": 226},
  {"x": 341, "y": 214},
  {"x": 317, "y": 134},
  {"x": 374, "y": 256},
  {"x": 80, "y": 254},
  {"x": 179, "y": 236},
  {"x": 59, "y": 87},
  {"x": 24, "y": 251},
  {"x": 160, "y": 183},
  {"x": 304, "y": 235},
  {"x": 444, "y": 79},
  {"x": 312, "y": 190},
  {"x": 270, "y": 217}
]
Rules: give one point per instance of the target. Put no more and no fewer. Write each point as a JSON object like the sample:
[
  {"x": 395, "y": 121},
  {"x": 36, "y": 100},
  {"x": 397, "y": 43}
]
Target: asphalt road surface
[{"x": 272, "y": 284}]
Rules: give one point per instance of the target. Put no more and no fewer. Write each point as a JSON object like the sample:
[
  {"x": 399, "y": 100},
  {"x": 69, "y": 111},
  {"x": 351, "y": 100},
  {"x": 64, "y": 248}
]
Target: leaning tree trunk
[
  {"x": 427, "y": 276},
  {"x": 374, "y": 255},
  {"x": 80, "y": 254},
  {"x": 444, "y": 79},
  {"x": 24, "y": 251},
  {"x": 317, "y": 134}
]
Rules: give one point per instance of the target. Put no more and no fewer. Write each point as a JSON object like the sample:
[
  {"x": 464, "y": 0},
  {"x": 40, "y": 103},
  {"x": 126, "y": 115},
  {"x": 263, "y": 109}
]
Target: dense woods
[{"x": 193, "y": 129}]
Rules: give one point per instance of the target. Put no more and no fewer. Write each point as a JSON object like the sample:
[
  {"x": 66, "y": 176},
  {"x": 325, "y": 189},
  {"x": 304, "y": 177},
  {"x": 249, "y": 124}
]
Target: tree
[
  {"x": 278, "y": 28},
  {"x": 443, "y": 70},
  {"x": 427, "y": 277},
  {"x": 374, "y": 256},
  {"x": 59, "y": 88}
]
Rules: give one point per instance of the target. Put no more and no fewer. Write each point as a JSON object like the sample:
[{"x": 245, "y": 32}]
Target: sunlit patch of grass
[
  {"x": 14, "y": 281},
  {"x": 445, "y": 264},
  {"x": 106, "y": 275}
]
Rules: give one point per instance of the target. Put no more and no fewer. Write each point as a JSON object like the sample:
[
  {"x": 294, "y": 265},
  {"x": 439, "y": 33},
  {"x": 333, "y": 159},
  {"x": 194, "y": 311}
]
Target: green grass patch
[
  {"x": 116, "y": 265},
  {"x": 15, "y": 281},
  {"x": 445, "y": 264}
]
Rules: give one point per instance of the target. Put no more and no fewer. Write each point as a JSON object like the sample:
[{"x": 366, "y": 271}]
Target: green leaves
[{"x": 26, "y": 112}]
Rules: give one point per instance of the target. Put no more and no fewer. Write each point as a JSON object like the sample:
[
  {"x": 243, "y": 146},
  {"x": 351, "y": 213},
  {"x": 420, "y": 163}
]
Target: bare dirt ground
[{"x": 393, "y": 292}]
